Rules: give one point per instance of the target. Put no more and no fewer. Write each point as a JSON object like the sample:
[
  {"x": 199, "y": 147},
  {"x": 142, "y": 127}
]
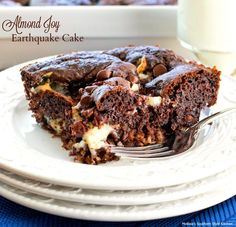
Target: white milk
[{"x": 208, "y": 28}]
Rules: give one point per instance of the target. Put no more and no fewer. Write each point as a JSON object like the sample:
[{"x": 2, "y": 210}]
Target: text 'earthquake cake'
[{"x": 132, "y": 96}]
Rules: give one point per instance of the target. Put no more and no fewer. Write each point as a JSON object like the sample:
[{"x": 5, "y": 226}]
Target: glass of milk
[{"x": 208, "y": 29}]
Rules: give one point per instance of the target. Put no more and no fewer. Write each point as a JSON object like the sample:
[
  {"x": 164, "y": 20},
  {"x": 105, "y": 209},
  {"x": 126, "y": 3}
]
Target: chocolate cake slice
[{"x": 132, "y": 96}]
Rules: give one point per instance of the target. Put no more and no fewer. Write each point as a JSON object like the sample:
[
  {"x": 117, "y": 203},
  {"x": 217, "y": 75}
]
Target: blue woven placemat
[{"x": 12, "y": 214}]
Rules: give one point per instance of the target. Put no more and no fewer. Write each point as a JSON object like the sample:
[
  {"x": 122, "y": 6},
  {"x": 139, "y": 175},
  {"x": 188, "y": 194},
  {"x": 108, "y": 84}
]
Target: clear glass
[{"x": 207, "y": 28}]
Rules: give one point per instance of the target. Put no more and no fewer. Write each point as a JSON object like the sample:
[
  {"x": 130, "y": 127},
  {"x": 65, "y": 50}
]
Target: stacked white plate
[{"x": 36, "y": 172}]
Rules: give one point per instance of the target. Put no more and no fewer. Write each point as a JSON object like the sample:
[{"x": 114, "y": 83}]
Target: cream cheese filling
[
  {"x": 143, "y": 76},
  {"x": 154, "y": 101},
  {"x": 56, "y": 124},
  {"x": 79, "y": 145},
  {"x": 96, "y": 137},
  {"x": 135, "y": 87}
]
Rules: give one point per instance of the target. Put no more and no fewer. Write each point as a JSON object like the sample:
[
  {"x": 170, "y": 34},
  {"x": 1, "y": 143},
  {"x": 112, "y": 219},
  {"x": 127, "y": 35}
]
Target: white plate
[
  {"x": 118, "y": 213},
  {"x": 28, "y": 150},
  {"x": 109, "y": 197}
]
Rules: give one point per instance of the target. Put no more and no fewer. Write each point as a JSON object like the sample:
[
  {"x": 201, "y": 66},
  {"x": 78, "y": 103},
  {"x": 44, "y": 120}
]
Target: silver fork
[{"x": 184, "y": 140}]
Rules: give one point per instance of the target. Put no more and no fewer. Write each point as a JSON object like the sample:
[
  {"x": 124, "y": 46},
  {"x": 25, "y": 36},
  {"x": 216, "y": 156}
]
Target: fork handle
[{"x": 214, "y": 116}]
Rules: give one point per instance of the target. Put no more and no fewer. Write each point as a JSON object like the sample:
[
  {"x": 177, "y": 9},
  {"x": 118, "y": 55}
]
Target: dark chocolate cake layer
[{"x": 132, "y": 96}]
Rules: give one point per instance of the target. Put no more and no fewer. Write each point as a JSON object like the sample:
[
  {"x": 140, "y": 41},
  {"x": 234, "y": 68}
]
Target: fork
[{"x": 183, "y": 141}]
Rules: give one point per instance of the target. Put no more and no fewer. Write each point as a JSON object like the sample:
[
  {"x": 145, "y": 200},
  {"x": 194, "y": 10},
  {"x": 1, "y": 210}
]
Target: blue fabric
[{"x": 12, "y": 214}]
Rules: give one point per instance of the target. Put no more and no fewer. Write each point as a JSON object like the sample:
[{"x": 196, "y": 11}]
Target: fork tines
[{"x": 151, "y": 151}]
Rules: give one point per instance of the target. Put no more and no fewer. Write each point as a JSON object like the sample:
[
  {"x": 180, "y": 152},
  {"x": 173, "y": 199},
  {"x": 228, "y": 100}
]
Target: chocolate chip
[
  {"x": 103, "y": 74},
  {"x": 188, "y": 118},
  {"x": 130, "y": 66},
  {"x": 90, "y": 89},
  {"x": 159, "y": 70},
  {"x": 81, "y": 90},
  {"x": 133, "y": 79},
  {"x": 122, "y": 56},
  {"x": 85, "y": 100}
]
